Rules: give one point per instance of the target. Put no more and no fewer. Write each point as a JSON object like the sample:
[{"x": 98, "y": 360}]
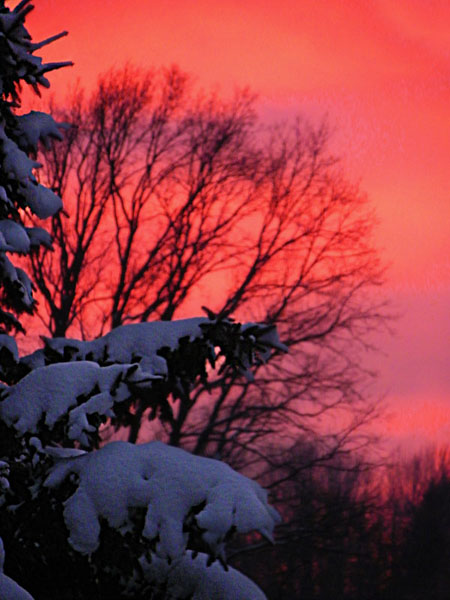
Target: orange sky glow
[{"x": 380, "y": 72}]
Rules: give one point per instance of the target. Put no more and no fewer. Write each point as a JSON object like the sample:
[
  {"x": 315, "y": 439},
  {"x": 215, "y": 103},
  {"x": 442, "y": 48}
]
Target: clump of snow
[
  {"x": 9, "y": 589},
  {"x": 142, "y": 341},
  {"x": 16, "y": 164},
  {"x": 42, "y": 201},
  {"x": 37, "y": 126},
  {"x": 14, "y": 237},
  {"x": 123, "y": 344},
  {"x": 7, "y": 269},
  {"x": 35, "y": 360},
  {"x": 54, "y": 390},
  {"x": 8, "y": 342},
  {"x": 26, "y": 286},
  {"x": 189, "y": 577},
  {"x": 4, "y": 474},
  {"x": 267, "y": 335},
  {"x": 39, "y": 237},
  {"x": 18, "y": 278},
  {"x": 170, "y": 483},
  {"x": 4, "y": 196},
  {"x": 56, "y": 452},
  {"x": 18, "y": 167}
]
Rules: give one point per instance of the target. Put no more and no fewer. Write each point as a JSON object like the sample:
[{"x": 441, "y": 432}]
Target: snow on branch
[
  {"x": 20, "y": 63},
  {"x": 81, "y": 395},
  {"x": 151, "y": 344},
  {"x": 19, "y": 139},
  {"x": 69, "y": 393},
  {"x": 191, "y": 577},
  {"x": 35, "y": 127},
  {"x": 127, "y": 344},
  {"x": 9, "y": 589},
  {"x": 184, "y": 496}
]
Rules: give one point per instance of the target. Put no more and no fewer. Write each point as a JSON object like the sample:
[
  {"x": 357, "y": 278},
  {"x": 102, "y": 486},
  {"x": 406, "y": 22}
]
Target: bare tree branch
[{"x": 198, "y": 192}]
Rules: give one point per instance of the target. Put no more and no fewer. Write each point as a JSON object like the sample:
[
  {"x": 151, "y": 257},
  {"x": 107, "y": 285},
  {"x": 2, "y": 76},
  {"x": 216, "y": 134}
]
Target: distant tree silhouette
[
  {"x": 352, "y": 534},
  {"x": 418, "y": 512},
  {"x": 427, "y": 548},
  {"x": 325, "y": 546}
]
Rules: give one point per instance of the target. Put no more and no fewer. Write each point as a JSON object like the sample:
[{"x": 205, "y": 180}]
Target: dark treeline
[{"x": 353, "y": 535}]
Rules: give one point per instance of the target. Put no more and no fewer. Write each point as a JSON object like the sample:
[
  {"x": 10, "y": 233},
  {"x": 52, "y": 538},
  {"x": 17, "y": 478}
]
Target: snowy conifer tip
[
  {"x": 20, "y": 136},
  {"x": 18, "y": 62}
]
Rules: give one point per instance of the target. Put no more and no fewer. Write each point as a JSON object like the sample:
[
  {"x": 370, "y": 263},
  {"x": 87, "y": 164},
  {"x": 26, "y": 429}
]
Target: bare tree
[
  {"x": 152, "y": 165},
  {"x": 198, "y": 192}
]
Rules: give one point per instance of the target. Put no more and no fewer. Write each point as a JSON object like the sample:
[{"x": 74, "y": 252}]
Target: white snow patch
[
  {"x": 15, "y": 236},
  {"x": 16, "y": 163},
  {"x": 37, "y": 126},
  {"x": 189, "y": 577},
  {"x": 42, "y": 201},
  {"x": 53, "y": 390},
  {"x": 26, "y": 286},
  {"x": 169, "y": 482},
  {"x": 9, "y": 589},
  {"x": 39, "y": 237},
  {"x": 18, "y": 277},
  {"x": 136, "y": 340}
]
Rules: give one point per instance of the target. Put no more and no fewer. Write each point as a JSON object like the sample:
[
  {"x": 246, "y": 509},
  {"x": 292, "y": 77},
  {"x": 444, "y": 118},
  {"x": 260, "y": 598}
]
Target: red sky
[{"x": 380, "y": 70}]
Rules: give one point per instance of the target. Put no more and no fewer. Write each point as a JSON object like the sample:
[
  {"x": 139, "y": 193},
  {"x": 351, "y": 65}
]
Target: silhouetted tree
[
  {"x": 196, "y": 192},
  {"x": 416, "y": 526},
  {"x": 427, "y": 545}
]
